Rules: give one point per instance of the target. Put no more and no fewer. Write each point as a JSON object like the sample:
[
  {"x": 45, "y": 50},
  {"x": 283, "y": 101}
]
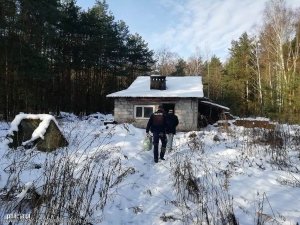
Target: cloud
[
  {"x": 208, "y": 24},
  {"x": 185, "y": 25}
]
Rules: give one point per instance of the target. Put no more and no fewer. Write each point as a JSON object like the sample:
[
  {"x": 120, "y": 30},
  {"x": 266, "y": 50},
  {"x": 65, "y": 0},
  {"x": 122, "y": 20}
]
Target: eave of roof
[{"x": 216, "y": 105}]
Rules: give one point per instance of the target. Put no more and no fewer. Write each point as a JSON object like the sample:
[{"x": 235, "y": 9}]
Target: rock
[
  {"x": 217, "y": 138},
  {"x": 52, "y": 140}
]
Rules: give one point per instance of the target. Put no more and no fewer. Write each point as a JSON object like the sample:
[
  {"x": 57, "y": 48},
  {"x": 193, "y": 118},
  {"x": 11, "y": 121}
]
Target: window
[{"x": 143, "y": 111}]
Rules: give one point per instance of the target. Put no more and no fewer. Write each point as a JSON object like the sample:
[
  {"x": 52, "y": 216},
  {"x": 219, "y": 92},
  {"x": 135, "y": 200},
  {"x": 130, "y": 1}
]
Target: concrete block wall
[
  {"x": 185, "y": 109},
  {"x": 123, "y": 111}
]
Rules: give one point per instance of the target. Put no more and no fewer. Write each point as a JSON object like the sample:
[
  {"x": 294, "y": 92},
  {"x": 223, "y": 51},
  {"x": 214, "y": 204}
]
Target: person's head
[{"x": 171, "y": 111}]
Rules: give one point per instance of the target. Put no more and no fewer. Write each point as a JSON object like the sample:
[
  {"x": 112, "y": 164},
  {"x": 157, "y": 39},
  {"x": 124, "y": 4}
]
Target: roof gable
[{"x": 182, "y": 87}]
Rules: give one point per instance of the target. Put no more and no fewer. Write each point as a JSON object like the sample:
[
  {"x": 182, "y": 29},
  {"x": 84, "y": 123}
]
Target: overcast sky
[{"x": 186, "y": 25}]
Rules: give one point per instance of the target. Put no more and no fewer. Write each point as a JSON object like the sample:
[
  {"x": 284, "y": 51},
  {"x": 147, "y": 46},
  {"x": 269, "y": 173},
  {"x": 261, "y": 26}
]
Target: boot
[{"x": 162, "y": 153}]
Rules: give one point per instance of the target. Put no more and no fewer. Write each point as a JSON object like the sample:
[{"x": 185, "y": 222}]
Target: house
[{"x": 182, "y": 94}]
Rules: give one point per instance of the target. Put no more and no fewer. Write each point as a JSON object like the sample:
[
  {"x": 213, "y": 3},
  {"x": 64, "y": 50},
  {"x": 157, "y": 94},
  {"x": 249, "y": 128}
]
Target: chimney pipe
[{"x": 158, "y": 82}]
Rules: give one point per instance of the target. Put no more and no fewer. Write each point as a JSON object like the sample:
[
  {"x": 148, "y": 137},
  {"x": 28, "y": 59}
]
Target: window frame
[{"x": 143, "y": 111}]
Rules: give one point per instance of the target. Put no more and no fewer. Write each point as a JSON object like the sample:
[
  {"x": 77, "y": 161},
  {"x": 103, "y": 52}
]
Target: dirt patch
[{"x": 255, "y": 123}]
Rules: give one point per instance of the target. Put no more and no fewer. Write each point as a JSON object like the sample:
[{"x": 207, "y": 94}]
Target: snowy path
[
  {"x": 145, "y": 196},
  {"x": 143, "y": 199}
]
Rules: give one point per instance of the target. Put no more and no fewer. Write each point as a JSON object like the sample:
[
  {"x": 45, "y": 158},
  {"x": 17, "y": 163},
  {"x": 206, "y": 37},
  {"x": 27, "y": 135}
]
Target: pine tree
[
  {"x": 212, "y": 78},
  {"x": 180, "y": 67},
  {"x": 55, "y": 56},
  {"x": 241, "y": 79}
]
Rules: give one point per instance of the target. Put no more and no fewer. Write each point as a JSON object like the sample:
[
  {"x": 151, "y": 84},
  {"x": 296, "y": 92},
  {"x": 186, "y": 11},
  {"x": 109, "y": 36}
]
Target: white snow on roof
[
  {"x": 187, "y": 86},
  {"x": 217, "y": 105},
  {"x": 39, "y": 132}
]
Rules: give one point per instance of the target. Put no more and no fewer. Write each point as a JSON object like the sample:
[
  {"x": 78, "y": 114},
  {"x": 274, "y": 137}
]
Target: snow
[
  {"x": 39, "y": 132},
  {"x": 217, "y": 105},
  {"x": 24, "y": 191},
  {"x": 255, "y": 119},
  {"x": 147, "y": 193},
  {"x": 181, "y": 87}
]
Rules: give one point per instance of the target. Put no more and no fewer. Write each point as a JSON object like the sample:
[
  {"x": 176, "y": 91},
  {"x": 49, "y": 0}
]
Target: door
[{"x": 168, "y": 106}]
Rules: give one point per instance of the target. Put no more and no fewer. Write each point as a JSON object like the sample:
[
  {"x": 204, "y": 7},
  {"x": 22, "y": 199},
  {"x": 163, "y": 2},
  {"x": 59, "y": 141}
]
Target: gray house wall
[{"x": 185, "y": 108}]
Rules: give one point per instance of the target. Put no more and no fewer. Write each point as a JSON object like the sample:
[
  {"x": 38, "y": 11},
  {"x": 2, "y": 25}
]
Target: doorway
[{"x": 168, "y": 106}]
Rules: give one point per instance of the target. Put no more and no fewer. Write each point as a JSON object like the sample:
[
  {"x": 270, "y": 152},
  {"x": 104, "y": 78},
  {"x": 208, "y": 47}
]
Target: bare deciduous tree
[
  {"x": 194, "y": 64},
  {"x": 281, "y": 51},
  {"x": 166, "y": 61}
]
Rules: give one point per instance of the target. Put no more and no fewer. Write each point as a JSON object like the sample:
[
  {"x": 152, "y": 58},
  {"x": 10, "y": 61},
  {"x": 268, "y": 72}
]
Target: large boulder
[{"x": 40, "y": 130}]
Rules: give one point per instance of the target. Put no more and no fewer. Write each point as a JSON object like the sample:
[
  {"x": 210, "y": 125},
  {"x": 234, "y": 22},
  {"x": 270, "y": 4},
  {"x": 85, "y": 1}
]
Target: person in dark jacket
[
  {"x": 157, "y": 125},
  {"x": 172, "y": 122}
]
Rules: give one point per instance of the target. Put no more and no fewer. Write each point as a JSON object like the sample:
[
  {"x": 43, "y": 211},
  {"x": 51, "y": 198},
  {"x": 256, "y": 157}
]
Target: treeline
[
  {"x": 261, "y": 77},
  {"x": 54, "y": 57}
]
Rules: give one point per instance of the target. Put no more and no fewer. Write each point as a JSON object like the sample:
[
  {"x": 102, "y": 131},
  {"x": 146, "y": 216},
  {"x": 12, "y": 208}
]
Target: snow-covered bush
[{"x": 201, "y": 199}]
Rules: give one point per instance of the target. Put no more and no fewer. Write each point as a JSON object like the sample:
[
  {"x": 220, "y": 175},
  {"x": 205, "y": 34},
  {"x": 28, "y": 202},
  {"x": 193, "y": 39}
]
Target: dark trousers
[{"x": 163, "y": 139}]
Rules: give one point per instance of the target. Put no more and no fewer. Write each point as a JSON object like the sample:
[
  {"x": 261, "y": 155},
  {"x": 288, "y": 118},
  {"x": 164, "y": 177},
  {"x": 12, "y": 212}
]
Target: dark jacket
[
  {"x": 157, "y": 122},
  {"x": 172, "y": 122}
]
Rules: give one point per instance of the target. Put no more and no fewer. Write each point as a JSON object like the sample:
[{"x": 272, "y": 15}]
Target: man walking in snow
[
  {"x": 157, "y": 125},
  {"x": 172, "y": 122}
]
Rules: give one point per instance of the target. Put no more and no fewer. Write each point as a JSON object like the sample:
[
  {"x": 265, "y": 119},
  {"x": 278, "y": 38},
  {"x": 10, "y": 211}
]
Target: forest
[{"x": 55, "y": 56}]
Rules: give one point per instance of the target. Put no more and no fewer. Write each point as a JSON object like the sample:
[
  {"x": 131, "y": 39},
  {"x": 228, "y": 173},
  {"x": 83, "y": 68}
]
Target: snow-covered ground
[{"x": 236, "y": 166}]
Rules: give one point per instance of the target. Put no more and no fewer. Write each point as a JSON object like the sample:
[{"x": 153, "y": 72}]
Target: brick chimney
[{"x": 158, "y": 82}]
